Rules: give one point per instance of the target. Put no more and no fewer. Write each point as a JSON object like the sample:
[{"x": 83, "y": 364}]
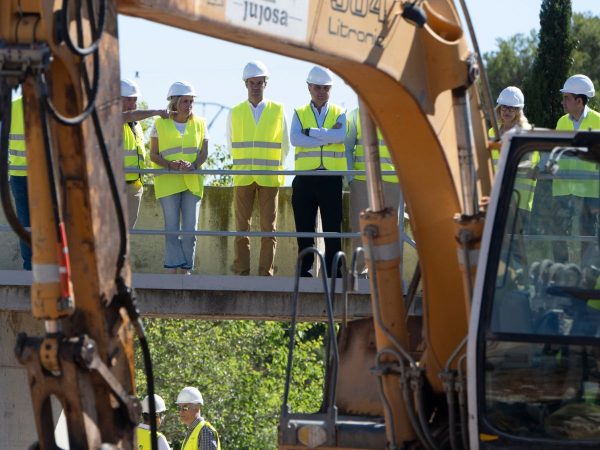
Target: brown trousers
[{"x": 267, "y": 204}]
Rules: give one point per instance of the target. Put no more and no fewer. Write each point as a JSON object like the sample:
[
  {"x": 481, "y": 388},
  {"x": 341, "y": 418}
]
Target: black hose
[
  {"x": 5, "y": 199},
  {"x": 91, "y": 92},
  {"x": 292, "y": 341},
  {"x": 54, "y": 200},
  {"x": 96, "y": 30},
  {"x": 139, "y": 327}
]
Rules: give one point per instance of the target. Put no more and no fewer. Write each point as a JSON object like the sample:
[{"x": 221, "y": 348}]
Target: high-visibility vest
[
  {"x": 172, "y": 146},
  {"x": 525, "y": 180},
  {"x": 191, "y": 442},
  {"x": 385, "y": 160},
  {"x": 143, "y": 438},
  {"x": 135, "y": 151},
  {"x": 257, "y": 146},
  {"x": 331, "y": 156},
  {"x": 586, "y": 184},
  {"x": 17, "y": 155}
]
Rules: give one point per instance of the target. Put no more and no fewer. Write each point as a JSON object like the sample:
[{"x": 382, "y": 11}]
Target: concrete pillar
[{"x": 17, "y": 426}]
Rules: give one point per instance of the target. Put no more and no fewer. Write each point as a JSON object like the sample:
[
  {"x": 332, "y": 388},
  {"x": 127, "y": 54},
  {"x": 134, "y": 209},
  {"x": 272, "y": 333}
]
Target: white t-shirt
[{"x": 180, "y": 127}]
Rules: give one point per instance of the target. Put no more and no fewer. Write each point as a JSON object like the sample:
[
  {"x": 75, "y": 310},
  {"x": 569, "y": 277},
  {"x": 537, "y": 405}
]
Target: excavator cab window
[{"x": 538, "y": 360}]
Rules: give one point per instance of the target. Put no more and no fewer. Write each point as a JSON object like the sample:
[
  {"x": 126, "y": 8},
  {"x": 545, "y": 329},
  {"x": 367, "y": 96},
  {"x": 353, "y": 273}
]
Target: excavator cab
[{"x": 534, "y": 353}]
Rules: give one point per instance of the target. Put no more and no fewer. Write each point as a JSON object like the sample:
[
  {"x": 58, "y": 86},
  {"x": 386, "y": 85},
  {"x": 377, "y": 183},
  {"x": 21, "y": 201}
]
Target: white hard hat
[
  {"x": 319, "y": 75},
  {"x": 129, "y": 88},
  {"x": 511, "y": 96},
  {"x": 579, "y": 85},
  {"x": 190, "y": 395},
  {"x": 181, "y": 88},
  {"x": 159, "y": 403},
  {"x": 255, "y": 69}
]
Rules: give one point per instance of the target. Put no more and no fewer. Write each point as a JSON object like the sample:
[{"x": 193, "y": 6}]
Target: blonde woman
[
  {"x": 179, "y": 144},
  {"x": 509, "y": 110}
]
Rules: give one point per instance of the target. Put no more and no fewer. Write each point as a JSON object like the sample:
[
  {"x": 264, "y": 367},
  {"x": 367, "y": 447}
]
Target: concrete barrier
[{"x": 214, "y": 255}]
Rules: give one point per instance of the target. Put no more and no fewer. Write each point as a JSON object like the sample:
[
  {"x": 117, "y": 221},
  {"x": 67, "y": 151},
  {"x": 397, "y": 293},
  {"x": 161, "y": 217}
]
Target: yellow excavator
[{"x": 507, "y": 354}]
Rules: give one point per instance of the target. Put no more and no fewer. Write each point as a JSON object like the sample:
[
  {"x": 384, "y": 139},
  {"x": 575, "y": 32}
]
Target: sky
[{"x": 214, "y": 67}]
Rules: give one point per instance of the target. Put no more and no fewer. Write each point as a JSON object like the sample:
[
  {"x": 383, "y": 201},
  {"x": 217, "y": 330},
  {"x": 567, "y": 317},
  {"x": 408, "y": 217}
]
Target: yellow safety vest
[
  {"x": 525, "y": 180},
  {"x": 191, "y": 442},
  {"x": 135, "y": 151},
  {"x": 385, "y": 160},
  {"x": 257, "y": 146},
  {"x": 331, "y": 156},
  {"x": 143, "y": 438},
  {"x": 172, "y": 146},
  {"x": 17, "y": 155},
  {"x": 586, "y": 184}
]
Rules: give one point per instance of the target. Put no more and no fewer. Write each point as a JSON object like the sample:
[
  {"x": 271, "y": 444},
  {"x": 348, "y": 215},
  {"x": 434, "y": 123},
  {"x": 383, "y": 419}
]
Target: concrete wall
[
  {"x": 17, "y": 428},
  {"x": 214, "y": 255}
]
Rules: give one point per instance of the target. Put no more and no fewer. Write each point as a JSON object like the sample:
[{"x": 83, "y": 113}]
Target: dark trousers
[
  {"x": 309, "y": 195},
  {"x": 18, "y": 187}
]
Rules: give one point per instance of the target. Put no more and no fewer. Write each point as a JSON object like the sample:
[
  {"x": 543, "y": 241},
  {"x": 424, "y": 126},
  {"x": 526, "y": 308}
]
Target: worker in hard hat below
[
  {"x": 576, "y": 196},
  {"x": 509, "y": 110},
  {"x": 200, "y": 434},
  {"x": 318, "y": 131},
  {"x": 144, "y": 441},
  {"x": 133, "y": 144},
  {"x": 355, "y": 152},
  {"x": 17, "y": 159},
  {"x": 180, "y": 145},
  {"x": 257, "y": 138}
]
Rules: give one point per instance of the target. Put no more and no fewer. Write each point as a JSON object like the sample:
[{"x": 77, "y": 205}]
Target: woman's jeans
[{"x": 180, "y": 212}]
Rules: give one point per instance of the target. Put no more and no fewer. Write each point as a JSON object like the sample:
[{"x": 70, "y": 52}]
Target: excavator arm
[{"x": 414, "y": 74}]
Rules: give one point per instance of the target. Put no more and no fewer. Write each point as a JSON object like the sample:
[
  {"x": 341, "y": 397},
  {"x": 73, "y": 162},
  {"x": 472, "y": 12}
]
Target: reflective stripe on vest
[
  {"x": 134, "y": 150},
  {"x": 257, "y": 146},
  {"x": 191, "y": 442},
  {"x": 143, "y": 438},
  {"x": 17, "y": 154},
  {"x": 173, "y": 146},
  {"x": 331, "y": 156},
  {"x": 385, "y": 160},
  {"x": 525, "y": 181},
  {"x": 569, "y": 180}
]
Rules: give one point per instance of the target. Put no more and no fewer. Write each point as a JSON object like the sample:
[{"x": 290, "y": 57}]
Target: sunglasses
[{"x": 184, "y": 408}]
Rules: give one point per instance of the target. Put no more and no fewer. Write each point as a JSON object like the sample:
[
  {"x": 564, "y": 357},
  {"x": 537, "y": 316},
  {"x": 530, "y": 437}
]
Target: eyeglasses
[
  {"x": 184, "y": 408},
  {"x": 509, "y": 108}
]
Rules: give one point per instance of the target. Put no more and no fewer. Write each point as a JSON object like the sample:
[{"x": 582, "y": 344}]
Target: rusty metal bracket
[{"x": 19, "y": 60}]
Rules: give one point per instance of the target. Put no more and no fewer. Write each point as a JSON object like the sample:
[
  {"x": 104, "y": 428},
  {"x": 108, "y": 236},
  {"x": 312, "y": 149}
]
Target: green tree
[
  {"x": 510, "y": 64},
  {"x": 219, "y": 158},
  {"x": 239, "y": 366},
  {"x": 552, "y": 64},
  {"x": 586, "y": 56}
]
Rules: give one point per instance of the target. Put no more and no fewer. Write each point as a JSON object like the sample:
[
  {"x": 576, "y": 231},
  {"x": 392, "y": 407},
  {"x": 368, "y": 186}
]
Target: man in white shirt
[{"x": 257, "y": 137}]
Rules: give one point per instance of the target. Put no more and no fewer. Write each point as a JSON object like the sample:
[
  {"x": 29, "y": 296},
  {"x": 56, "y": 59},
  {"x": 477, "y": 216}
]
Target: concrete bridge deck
[{"x": 214, "y": 297}]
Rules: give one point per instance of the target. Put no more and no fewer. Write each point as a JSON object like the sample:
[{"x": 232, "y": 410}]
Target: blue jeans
[
  {"x": 18, "y": 187},
  {"x": 180, "y": 212}
]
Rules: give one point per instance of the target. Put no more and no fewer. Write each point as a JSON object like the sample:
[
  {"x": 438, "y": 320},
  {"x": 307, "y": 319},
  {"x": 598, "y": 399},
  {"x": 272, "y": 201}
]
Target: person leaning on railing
[
  {"x": 318, "y": 131},
  {"x": 180, "y": 145},
  {"x": 355, "y": 153},
  {"x": 257, "y": 137},
  {"x": 133, "y": 144}
]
